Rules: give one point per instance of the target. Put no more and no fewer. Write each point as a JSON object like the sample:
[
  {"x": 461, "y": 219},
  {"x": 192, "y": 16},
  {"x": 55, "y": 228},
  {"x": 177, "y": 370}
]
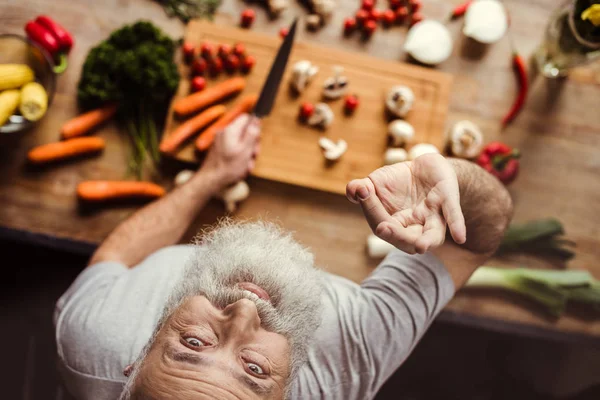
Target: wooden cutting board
[{"x": 289, "y": 150}]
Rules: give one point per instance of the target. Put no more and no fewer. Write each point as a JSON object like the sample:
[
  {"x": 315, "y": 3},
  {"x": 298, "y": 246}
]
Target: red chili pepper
[
  {"x": 40, "y": 35},
  {"x": 64, "y": 38},
  {"x": 500, "y": 160},
  {"x": 520, "y": 70},
  {"x": 460, "y": 9}
]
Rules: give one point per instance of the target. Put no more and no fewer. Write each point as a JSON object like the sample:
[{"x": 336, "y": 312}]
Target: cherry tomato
[
  {"x": 247, "y": 18},
  {"x": 367, "y": 5},
  {"x": 389, "y": 17},
  {"x": 401, "y": 14},
  {"x": 188, "y": 51},
  {"x": 198, "y": 83},
  {"x": 215, "y": 66},
  {"x": 199, "y": 66},
  {"x": 361, "y": 17},
  {"x": 239, "y": 49},
  {"x": 394, "y": 4},
  {"x": 248, "y": 63},
  {"x": 232, "y": 63},
  {"x": 375, "y": 15},
  {"x": 369, "y": 28},
  {"x": 416, "y": 17},
  {"x": 283, "y": 32},
  {"x": 414, "y": 5},
  {"x": 351, "y": 103},
  {"x": 207, "y": 50},
  {"x": 306, "y": 110},
  {"x": 224, "y": 50},
  {"x": 349, "y": 25}
]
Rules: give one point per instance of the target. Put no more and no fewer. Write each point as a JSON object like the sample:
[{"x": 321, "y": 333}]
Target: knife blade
[{"x": 269, "y": 90}]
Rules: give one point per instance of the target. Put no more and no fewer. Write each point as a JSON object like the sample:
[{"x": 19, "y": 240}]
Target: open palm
[{"x": 409, "y": 204}]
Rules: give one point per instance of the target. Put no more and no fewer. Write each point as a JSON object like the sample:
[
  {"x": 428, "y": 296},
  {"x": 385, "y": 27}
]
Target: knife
[{"x": 265, "y": 101}]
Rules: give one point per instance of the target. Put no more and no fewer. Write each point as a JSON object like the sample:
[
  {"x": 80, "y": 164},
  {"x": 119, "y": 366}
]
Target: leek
[{"x": 551, "y": 289}]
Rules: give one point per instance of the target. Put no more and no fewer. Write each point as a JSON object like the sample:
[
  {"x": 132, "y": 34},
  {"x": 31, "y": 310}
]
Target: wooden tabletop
[{"x": 558, "y": 134}]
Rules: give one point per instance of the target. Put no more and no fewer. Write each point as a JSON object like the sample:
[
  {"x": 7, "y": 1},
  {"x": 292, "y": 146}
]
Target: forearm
[
  {"x": 159, "y": 224},
  {"x": 486, "y": 205}
]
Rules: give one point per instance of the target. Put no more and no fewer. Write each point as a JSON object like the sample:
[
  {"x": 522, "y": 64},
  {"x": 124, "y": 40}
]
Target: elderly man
[{"x": 244, "y": 313}]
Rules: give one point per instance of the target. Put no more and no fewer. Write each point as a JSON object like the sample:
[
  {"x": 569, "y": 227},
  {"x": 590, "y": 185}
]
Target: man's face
[{"x": 217, "y": 353}]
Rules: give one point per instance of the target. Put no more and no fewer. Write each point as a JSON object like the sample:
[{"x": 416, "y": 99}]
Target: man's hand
[
  {"x": 409, "y": 204},
  {"x": 232, "y": 155}
]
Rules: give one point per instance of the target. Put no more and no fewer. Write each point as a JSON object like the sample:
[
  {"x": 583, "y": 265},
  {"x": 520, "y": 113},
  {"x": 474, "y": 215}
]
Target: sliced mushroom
[
  {"x": 394, "y": 156},
  {"x": 400, "y": 100},
  {"x": 276, "y": 7},
  {"x": 466, "y": 139},
  {"x": 401, "y": 132},
  {"x": 420, "y": 149},
  {"x": 233, "y": 195},
  {"x": 313, "y": 22},
  {"x": 322, "y": 116},
  {"x": 302, "y": 74},
  {"x": 333, "y": 150},
  {"x": 324, "y": 7},
  {"x": 336, "y": 86}
]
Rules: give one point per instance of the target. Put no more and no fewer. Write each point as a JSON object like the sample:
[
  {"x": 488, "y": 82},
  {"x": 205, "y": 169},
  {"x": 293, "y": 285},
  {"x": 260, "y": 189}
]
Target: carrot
[
  {"x": 85, "y": 122},
  {"x": 205, "y": 140},
  {"x": 206, "y": 97},
  {"x": 111, "y": 190},
  {"x": 63, "y": 150},
  {"x": 171, "y": 142}
]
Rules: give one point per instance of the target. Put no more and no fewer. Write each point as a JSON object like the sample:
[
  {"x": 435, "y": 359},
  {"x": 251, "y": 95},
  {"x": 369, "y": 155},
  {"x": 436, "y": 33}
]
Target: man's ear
[{"x": 127, "y": 370}]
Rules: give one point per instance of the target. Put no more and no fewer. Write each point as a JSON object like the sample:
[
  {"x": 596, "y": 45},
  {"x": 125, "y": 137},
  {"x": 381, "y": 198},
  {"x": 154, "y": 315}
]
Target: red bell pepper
[
  {"x": 53, "y": 38},
  {"x": 500, "y": 160}
]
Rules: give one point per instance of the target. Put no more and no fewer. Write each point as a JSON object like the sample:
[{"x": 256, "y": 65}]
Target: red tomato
[
  {"x": 239, "y": 49},
  {"x": 361, "y": 16},
  {"x": 416, "y": 17},
  {"x": 369, "y": 28},
  {"x": 394, "y": 4},
  {"x": 215, "y": 67},
  {"x": 198, "y": 84},
  {"x": 247, "y": 18},
  {"x": 232, "y": 63},
  {"x": 199, "y": 66},
  {"x": 375, "y": 15},
  {"x": 207, "y": 50},
  {"x": 283, "y": 32},
  {"x": 401, "y": 14},
  {"x": 306, "y": 110},
  {"x": 351, "y": 103},
  {"x": 414, "y": 5},
  {"x": 367, "y": 5},
  {"x": 224, "y": 50},
  {"x": 349, "y": 25},
  {"x": 248, "y": 63},
  {"x": 389, "y": 17},
  {"x": 188, "y": 51}
]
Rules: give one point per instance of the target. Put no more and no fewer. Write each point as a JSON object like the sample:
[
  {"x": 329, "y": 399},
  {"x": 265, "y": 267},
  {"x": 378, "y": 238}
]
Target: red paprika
[
  {"x": 500, "y": 160},
  {"x": 43, "y": 37},
  {"x": 64, "y": 38}
]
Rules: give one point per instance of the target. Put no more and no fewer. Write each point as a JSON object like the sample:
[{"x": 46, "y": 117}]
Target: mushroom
[
  {"x": 401, "y": 132},
  {"x": 420, "y": 149},
  {"x": 336, "y": 86},
  {"x": 322, "y": 116},
  {"x": 466, "y": 139},
  {"x": 323, "y": 7},
  {"x": 276, "y": 7},
  {"x": 313, "y": 22},
  {"x": 333, "y": 150},
  {"x": 233, "y": 195},
  {"x": 399, "y": 100},
  {"x": 378, "y": 248},
  {"x": 183, "y": 176},
  {"x": 486, "y": 21},
  {"x": 302, "y": 73},
  {"x": 394, "y": 156},
  {"x": 429, "y": 42}
]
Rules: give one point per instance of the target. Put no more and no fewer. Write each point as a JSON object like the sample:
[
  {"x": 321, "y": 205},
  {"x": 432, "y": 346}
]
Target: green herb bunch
[
  {"x": 134, "y": 68},
  {"x": 190, "y": 9}
]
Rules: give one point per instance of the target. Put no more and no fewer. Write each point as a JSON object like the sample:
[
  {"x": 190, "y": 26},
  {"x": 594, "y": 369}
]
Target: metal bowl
[{"x": 15, "y": 49}]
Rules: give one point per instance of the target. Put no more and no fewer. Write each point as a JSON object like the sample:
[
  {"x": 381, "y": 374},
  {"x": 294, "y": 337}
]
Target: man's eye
[
  {"x": 255, "y": 369},
  {"x": 192, "y": 341}
]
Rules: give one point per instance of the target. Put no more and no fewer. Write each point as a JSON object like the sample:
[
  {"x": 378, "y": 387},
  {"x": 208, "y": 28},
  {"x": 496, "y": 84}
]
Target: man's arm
[{"x": 164, "y": 222}]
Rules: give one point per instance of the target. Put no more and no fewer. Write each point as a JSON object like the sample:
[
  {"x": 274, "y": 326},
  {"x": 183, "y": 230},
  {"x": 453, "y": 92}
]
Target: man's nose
[{"x": 243, "y": 316}]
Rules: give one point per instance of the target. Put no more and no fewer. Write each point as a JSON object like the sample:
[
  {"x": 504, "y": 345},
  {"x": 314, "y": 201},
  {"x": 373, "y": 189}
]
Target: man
[{"x": 244, "y": 314}]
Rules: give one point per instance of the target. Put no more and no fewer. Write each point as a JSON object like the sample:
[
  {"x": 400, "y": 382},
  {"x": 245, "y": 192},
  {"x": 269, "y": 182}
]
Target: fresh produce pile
[
  {"x": 19, "y": 93},
  {"x": 211, "y": 60},
  {"x": 133, "y": 70},
  {"x": 369, "y": 16}
]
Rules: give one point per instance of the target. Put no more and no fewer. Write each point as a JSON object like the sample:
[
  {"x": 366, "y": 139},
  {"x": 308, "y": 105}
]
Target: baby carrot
[
  {"x": 63, "y": 150},
  {"x": 111, "y": 190},
  {"x": 205, "y": 139},
  {"x": 171, "y": 142},
  {"x": 83, "y": 123},
  {"x": 206, "y": 97}
]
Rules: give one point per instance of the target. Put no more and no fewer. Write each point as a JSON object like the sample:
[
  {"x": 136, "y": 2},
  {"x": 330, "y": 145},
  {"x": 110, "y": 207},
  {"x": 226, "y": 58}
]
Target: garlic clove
[
  {"x": 394, "y": 156},
  {"x": 420, "y": 149},
  {"x": 486, "y": 21},
  {"x": 401, "y": 132},
  {"x": 399, "y": 100},
  {"x": 429, "y": 42}
]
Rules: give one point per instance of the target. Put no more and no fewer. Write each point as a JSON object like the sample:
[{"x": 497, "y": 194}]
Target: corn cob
[
  {"x": 13, "y": 76},
  {"x": 9, "y": 101},
  {"x": 34, "y": 101}
]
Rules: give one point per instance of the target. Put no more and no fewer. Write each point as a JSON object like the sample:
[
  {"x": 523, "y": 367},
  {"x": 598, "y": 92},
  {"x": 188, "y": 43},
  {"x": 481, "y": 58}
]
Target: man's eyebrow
[{"x": 196, "y": 359}]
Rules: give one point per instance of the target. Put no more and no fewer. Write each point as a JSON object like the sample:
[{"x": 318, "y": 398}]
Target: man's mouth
[{"x": 255, "y": 290}]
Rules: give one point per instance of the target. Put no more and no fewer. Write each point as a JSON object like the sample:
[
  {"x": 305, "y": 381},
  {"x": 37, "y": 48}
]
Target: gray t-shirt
[{"x": 367, "y": 331}]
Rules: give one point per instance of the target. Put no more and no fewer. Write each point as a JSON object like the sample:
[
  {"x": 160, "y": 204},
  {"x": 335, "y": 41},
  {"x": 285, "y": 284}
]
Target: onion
[
  {"x": 429, "y": 42},
  {"x": 486, "y": 21}
]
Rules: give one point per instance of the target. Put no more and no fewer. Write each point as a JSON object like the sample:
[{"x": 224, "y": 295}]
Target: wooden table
[{"x": 558, "y": 133}]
